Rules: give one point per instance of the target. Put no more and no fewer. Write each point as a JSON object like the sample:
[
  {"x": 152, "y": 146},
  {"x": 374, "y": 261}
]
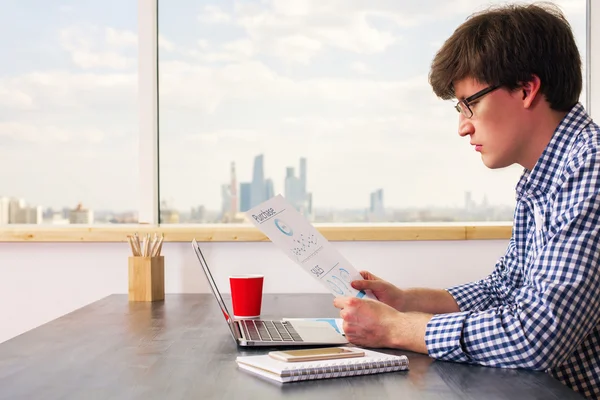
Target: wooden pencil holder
[{"x": 146, "y": 278}]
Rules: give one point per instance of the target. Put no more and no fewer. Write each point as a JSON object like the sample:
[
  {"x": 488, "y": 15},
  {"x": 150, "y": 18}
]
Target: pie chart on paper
[{"x": 283, "y": 227}]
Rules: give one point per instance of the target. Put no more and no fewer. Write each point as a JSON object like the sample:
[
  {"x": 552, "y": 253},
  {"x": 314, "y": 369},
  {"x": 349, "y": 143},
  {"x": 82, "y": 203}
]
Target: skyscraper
[
  {"x": 233, "y": 191},
  {"x": 303, "y": 176},
  {"x": 168, "y": 214},
  {"x": 295, "y": 189},
  {"x": 469, "y": 203},
  {"x": 81, "y": 215},
  {"x": 29, "y": 215},
  {"x": 225, "y": 201},
  {"x": 269, "y": 190},
  {"x": 258, "y": 182},
  {"x": 245, "y": 196},
  {"x": 198, "y": 214},
  {"x": 291, "y": 186},
  {"x": 376, "y": 208},
  {"x": 14, "y": 210}
]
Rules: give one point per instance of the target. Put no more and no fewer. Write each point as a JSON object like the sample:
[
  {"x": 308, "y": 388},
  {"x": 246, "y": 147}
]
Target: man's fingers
[
  {"x": 345, "y": 315},
  {"x": 341, "y": 302},
  {"x": 365, "y": 284},
  {"x": 359, "y": 285},
  {"x": 337, "y": 303},
  {"x": 369, "y": 276}
]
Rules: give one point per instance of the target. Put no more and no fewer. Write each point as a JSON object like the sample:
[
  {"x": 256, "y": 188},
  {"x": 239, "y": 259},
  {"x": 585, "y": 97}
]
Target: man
[{"x": 516, "y": 72}]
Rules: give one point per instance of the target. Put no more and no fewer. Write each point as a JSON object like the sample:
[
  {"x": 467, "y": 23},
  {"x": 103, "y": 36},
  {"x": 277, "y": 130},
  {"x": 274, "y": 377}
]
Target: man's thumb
[{"x": 364, "y": 284}]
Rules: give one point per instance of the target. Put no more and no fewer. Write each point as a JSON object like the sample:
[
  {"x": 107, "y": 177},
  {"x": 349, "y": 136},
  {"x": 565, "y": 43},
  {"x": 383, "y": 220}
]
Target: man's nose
[{"x": 465, "y": 127}]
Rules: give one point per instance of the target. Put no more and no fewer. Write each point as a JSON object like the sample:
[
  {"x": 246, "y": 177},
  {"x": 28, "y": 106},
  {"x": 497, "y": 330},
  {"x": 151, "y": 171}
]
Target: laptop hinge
[{"x": 239, "y": 331}]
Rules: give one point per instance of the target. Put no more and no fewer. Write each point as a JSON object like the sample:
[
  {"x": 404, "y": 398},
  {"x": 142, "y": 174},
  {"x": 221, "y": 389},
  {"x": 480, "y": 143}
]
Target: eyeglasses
[{"x": 463, "y": 105}]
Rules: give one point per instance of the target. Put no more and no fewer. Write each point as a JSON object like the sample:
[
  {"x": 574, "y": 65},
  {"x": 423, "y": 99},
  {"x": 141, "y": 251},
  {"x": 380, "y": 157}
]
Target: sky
[{"x": 342, "y": 83}]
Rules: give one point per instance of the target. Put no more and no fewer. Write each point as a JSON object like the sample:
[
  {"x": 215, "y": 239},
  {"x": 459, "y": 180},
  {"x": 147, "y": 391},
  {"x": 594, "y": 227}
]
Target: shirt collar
[{"x": 541, "y": 177}]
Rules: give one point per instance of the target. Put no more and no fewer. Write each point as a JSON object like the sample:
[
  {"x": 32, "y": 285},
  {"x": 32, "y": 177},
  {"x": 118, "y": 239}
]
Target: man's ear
[{"x": 530, "y": 90}]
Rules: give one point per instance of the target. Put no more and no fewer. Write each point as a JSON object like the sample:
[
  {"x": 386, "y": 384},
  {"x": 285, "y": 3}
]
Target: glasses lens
[{"x": 464, "y": 109}]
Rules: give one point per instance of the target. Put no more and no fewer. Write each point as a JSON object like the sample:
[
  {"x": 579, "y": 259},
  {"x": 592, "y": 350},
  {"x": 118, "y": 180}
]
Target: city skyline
[
  {"x": 273, "y": 189},
  {"x": 471, "y": 211},
  {"x": 247, "y": 195}
]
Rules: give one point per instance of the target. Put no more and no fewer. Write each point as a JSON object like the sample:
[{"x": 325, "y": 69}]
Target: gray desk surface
[{"x": 181, "y": 348}]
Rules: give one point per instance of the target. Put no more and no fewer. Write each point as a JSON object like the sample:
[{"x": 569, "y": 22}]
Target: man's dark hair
[{"x": 506, "y": 46}]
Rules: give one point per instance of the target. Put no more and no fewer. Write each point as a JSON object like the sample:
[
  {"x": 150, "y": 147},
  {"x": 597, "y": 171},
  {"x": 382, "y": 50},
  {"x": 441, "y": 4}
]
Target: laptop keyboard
[{"x": 270, "y": 331}]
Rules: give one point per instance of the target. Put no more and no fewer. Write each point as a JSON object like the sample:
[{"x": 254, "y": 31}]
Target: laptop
[{"x": 259, "y": 332}]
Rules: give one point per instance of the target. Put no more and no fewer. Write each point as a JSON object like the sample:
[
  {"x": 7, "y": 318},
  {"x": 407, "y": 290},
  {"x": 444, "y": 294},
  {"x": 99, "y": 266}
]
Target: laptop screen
[{"x": 213, "y": 287}]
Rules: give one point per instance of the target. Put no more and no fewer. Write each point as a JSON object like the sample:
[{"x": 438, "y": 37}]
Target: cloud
[
  {"x": 243, "y": 47},
  {"x": 213, "y": 15},
  {"x": 296, "y": 48},
  {"x": 89, "y": 59},
  {"x": 120, "y": 38},
  {"x": 69, "y": 96},
  {"x": 15, "y": 98},
  {"x": 297, "y": 31},
  {"x": 202, "y": 43},
  {"x": 165, "y": 44},
  {"x": 65, "y": 9},
  {"x": 230, "y": 52},
  {"x": 38, "y": 134},
  {"x": 357, "y": 27},
  {"x": 204, "y": 88},
  {"x": 360, "y": 67},
  {"x": 226, "y": 135},
  {"x": 310, "y": 27},
  {"x": 92, "y": 47},
  {"x": 256, "y": 82}
]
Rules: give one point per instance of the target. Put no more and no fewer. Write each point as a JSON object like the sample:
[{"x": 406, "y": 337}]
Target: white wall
[{"x": 42, "y": 281}]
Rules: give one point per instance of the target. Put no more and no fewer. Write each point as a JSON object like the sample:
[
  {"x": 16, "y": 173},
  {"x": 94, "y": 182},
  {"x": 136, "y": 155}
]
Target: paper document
[{"x": 294, "y": 234}]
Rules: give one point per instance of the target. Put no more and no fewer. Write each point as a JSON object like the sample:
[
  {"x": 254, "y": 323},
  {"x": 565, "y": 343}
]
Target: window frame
[{"x": 248, "y": 233}]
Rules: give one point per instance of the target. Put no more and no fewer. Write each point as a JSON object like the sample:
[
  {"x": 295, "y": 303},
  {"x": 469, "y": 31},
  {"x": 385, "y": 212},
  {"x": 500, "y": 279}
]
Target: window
[
  {"x": 323, "y": 102},
  {"x": 68, "y": 112}
]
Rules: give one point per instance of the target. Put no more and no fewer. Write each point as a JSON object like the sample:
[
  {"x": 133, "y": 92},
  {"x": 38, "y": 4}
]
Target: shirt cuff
[{"x": 443, "y": 337}]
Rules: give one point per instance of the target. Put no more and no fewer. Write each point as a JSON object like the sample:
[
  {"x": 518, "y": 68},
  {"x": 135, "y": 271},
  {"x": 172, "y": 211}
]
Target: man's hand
[
  {"x": 368, "y": 322},
  {"x": 372, "y": 323},
  {"x": 383, "y": 290}
]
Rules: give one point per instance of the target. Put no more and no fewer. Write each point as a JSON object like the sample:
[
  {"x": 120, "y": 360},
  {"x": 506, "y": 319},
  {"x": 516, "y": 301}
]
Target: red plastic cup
[{"x": 246, "y": 295}]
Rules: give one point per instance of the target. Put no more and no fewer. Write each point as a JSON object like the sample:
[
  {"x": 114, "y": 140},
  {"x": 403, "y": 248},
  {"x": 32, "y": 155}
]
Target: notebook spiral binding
[{"x": 348, "y": 368}]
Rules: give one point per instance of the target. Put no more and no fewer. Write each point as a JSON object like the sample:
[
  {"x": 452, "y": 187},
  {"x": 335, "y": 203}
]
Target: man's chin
[{"x": 494, "y": 163}]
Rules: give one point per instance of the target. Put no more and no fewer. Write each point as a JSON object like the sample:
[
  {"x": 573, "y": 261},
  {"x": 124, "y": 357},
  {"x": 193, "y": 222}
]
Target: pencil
[
  {"x": 136, "y": 250},
  {"x": 153, "y": 245},
  {"x": 159, "y": 245},
  {"x": 130, "y": 240},
  {"x": 144, "y": 242},
  {"x": 138, "y": 244},
  {"x": 147, "y": 246}
]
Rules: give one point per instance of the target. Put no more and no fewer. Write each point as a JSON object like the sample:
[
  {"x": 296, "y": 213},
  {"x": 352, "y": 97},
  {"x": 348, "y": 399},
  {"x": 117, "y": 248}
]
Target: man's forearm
[
  {"x": 431, "y": 301},
  {"x": 411, "y": 335}
]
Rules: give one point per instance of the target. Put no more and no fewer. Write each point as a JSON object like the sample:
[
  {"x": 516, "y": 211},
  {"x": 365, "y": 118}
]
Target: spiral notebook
[{"x": 372, "y": 363}]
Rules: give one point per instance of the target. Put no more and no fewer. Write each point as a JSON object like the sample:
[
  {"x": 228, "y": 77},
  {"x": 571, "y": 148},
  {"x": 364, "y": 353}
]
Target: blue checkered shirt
[{"x": 540, "y": 307}]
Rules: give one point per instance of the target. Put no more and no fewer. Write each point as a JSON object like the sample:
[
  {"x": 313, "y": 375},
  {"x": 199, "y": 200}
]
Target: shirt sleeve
[
  {"x": 555, "y": 307},
  {"x": 490, "y": 291}
]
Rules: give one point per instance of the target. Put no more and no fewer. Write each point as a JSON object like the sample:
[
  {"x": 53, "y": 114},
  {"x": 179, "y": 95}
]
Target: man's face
[{"x": 496, "y": 128}]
